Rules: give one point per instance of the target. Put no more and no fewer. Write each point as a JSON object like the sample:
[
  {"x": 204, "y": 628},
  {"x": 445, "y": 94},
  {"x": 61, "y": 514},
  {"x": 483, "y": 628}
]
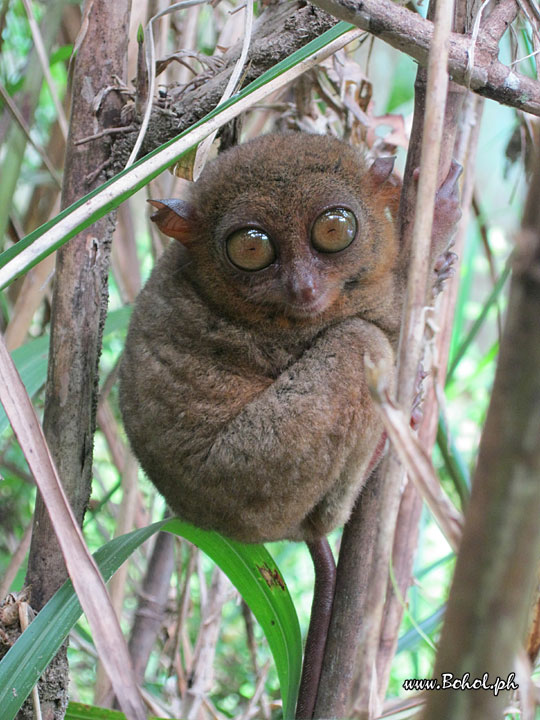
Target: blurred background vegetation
[{"x": 245, "y": 683}]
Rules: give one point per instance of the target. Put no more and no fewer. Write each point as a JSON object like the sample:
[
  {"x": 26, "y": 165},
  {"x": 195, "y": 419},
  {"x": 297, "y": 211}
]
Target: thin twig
[
  {"x": 412, "y": 331},
  {"x": 97, "y": 172},
  {"x": 204, "y": 147},
  {"x": 151, "y": 70},
  {"x": 474, "y": 38},
  {"x": 104, "y": 133},
  {"x": 44, "y": 62},
  {"x": 19, "y": 119}
]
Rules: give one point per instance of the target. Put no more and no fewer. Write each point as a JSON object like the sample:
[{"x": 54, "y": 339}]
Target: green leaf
[
  {"x": 255, "y": 575},
  {"x": 478, "y": 323},
  {"x": 31, "y": 358},
  {"x": 80, "y": 711},
  {"x": 250, "y": 568}
]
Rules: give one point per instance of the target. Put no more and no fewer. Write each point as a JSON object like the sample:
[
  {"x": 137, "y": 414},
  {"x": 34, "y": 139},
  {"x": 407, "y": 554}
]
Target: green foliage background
[{"x": 499, "y": 191}]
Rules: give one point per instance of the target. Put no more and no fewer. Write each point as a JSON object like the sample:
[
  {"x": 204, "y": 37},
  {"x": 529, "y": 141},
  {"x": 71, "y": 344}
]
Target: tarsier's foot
[{"x": 444, "y": 269}]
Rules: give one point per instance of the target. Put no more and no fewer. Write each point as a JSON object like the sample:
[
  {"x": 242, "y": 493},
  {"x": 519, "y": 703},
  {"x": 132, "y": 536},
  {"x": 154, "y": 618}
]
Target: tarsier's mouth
[{"x": 311, "y": 308}]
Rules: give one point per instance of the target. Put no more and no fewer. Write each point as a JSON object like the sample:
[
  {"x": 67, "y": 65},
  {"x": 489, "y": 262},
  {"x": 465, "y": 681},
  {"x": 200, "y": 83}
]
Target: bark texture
[
  {"x": 79, "y": 308},
  {"x": 411, "y": 34},
  {"x": 351, "y": 627},
  {"x": 280, "y": 30},
  {"x": 496, "y": 571}
]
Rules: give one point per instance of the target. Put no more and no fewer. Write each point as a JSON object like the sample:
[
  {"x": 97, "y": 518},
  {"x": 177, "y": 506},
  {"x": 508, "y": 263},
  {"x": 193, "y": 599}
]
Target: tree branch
[
  {"x": 497, "y": 566},
  {"x": 411, "y": 34},
  {"x": 280, "y": 30},
  {"x": 79, "y": 309}
]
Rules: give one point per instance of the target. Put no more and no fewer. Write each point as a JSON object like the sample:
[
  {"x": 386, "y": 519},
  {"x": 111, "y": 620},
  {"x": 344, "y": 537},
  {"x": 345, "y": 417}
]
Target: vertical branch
[
  {"x": 152, "y": 602},
  {"x": 496, "y": 570},
  {"x": 80, "y": 295},
  {"x": 350, "y": 625},
  {"x": 411, "y": 502},
  {"x": 79, "y": 308},
  {"x": 367, "y": 542}
]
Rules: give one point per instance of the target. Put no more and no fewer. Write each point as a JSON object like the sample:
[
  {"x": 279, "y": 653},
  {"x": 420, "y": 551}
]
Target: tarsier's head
[{"x": 294, "y": 228}]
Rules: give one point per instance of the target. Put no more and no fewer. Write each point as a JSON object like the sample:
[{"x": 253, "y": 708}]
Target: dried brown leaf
[{"x": 416, "y": 460}]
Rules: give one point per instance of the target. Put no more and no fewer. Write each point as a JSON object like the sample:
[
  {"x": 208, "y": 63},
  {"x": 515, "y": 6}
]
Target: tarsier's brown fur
[{"x": 243, "y": 393}]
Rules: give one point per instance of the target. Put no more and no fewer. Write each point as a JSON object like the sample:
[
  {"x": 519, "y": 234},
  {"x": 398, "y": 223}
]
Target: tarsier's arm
[{"x": 291, "y": 443}]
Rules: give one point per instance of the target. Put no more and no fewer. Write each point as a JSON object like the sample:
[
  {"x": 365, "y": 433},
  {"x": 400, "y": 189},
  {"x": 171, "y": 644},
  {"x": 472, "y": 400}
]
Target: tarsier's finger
[
  {"x": 449, "y": 185},
  {"x": 449, "y": 188}
]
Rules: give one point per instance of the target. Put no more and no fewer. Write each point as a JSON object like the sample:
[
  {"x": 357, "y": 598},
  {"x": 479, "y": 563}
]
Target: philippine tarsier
[{"x": 242, "y": 385}]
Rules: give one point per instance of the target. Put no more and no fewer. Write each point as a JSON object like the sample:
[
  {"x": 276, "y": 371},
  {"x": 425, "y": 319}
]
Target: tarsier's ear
[
  {"x": 173, "y": 218},
  {"x": 381, "y": 170},
  {"x": 385, "y": 186}
]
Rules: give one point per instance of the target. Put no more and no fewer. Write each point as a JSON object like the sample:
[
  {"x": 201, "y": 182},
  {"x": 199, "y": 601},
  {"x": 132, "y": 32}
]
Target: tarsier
[{"x": 242, "y": 384}]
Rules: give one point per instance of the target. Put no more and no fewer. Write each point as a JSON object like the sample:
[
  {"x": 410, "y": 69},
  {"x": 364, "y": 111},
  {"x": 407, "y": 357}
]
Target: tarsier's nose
[
  {"x": 306, "y": 292},
  {"x": 302, "y": 286}
]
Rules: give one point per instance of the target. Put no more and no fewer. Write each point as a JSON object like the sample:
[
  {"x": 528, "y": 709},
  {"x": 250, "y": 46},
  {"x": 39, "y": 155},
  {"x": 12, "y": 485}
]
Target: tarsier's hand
[
  {"x": 446, "y": 217},
  {"x": 444, "y": 269}
]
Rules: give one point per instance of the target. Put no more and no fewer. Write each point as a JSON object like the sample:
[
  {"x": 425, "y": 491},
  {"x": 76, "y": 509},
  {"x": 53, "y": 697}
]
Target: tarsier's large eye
[
  {"x": 333, "y": 230},
  {"x": 250, "y": 249}
]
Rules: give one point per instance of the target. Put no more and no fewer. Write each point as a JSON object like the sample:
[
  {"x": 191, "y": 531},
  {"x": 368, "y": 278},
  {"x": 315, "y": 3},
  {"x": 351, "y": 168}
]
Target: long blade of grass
[{"x": 473, "y": 332}]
